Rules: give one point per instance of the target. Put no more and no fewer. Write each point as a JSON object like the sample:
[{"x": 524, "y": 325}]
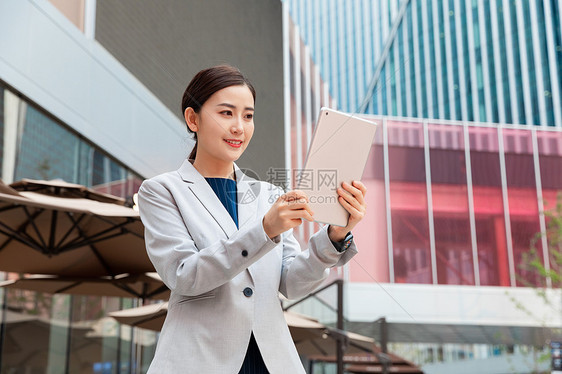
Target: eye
[
  {"x": 250, "y": 115},
  {"x": 226, "y": 112}
]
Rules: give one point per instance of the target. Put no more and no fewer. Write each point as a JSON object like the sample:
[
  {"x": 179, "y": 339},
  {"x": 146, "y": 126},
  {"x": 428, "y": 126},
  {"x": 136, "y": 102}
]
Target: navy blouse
[{"x": 225, "y": 189}]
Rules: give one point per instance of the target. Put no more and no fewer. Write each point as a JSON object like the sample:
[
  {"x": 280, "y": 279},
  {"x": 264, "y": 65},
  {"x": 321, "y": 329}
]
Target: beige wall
[{"x": 73, "y": 10}]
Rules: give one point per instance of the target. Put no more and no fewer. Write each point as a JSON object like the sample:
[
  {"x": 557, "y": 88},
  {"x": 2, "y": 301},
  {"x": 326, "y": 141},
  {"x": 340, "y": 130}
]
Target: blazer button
[
  {"x": 248, "y": 292},
  {"x": 244, "y": 253}
]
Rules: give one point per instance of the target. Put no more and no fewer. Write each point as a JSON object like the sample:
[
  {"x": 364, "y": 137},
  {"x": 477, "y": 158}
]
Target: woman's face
[{"x": 225, "y": 124}]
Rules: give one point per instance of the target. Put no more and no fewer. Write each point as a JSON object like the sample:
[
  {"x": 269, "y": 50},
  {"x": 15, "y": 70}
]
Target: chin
[
  {"x": 237, "y": 156},
  {"x": 232, "y": 158}
]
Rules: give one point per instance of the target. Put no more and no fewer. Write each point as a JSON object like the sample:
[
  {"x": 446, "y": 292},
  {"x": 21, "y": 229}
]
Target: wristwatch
[{"x": 345, "y": 243}]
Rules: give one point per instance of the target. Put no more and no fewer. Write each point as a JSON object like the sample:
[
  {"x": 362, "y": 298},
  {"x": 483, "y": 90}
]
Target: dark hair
[{"x": 205, "y": 83}]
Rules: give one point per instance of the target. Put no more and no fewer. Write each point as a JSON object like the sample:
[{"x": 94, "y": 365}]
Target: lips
[{"x": 233, "y": 142}]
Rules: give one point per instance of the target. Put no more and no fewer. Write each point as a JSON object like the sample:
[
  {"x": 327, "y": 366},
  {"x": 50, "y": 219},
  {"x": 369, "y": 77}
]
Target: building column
[
  {"x": 501, "y": 252},
  {"x": 14, "y": 117}
]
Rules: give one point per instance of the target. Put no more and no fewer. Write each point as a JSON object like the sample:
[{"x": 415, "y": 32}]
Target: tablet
[{"x": 338, "y": 152}]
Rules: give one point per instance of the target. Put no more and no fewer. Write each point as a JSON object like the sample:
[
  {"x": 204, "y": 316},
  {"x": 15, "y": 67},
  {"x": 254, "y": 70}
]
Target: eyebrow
[{"x": 234, "y": 107}]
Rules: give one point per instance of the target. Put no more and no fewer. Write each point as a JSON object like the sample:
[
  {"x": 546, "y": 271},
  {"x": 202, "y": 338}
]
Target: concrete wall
[
  {"x": 447, "y": 304},
  {"x": 44, "y": 57},
  {"x": 164, "y": 43}
]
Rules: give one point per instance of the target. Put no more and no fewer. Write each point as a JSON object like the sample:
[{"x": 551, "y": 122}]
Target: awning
[{"x": 456, "y": 333}]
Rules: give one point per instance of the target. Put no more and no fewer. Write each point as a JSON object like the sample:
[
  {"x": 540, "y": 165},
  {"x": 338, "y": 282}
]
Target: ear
[{"x": 191, "y": 119}]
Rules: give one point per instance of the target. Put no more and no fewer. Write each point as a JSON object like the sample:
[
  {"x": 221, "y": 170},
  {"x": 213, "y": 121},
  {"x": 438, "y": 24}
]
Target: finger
[
  {"x": 361, "y": 186},
  {"x": 305, "y": 208},
  {"x": 295, "y": 222},
  {"x": 359, "y": 208},
  {"x": 296, "y": 195},
  {"x": 354, "y": 212},
  {"x": 356, "y": 192},
  {"x": 296, "y": 199},
  {"x": 293, "y": 205},
  {"x": 349, "y": 198},
  {"x": 352, "y": 190},
  {"x": 300, "y": 214}
]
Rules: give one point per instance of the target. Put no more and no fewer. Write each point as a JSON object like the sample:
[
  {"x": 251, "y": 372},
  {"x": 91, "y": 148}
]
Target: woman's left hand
[{"x": 352, "y": 198}]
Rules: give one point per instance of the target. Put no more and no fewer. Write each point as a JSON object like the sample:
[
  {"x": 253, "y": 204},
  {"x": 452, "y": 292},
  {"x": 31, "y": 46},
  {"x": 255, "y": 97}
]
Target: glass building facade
[
  {"x": 494, "y": 61},
  {"x": 35, "y": 145},
  {"x": 344, "y": 41},
  {"x": 458, "y": 203}
]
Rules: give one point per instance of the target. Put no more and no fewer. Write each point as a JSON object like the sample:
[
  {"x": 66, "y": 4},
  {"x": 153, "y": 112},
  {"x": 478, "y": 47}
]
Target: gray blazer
[{"x": 225, "y": 281}]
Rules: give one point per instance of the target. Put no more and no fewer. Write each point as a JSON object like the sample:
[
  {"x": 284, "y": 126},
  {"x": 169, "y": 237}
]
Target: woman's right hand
[{"x": 286, "y": 213}]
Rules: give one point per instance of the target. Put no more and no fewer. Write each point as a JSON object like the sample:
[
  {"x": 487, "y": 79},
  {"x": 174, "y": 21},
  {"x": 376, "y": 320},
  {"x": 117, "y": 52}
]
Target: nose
[{"x": 237, "y": 126}]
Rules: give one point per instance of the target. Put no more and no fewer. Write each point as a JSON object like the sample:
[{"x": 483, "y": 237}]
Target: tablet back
[{"x": 338, "y": 152}]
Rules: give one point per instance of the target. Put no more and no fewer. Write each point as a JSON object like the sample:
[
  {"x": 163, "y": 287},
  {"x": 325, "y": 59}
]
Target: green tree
[
  {"x": 533, "y": 261},
  {"x": 554, "y": 242}
]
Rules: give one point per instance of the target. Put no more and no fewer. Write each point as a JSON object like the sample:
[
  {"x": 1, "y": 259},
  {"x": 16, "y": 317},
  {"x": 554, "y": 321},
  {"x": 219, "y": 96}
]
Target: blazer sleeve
[
  {"x": 184, "y": 268},
  {"x": 303, "y": 271}
]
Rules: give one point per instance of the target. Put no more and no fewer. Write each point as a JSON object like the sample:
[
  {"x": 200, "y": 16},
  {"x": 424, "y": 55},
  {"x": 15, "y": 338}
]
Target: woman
[{"x": 224, "y": 258}]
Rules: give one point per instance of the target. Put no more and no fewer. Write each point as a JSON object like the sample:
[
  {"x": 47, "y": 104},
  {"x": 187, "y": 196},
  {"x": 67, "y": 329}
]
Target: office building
[
  {"x": 458, "y": 182},
  {"x": 494, "y": 61}
]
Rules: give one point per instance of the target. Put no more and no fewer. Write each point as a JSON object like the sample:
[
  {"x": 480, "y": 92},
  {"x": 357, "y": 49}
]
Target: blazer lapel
[
  {"x": 248, "y": 193},
  {"x": 205, "y": 194},
  {"x": 248, "y": 190}
]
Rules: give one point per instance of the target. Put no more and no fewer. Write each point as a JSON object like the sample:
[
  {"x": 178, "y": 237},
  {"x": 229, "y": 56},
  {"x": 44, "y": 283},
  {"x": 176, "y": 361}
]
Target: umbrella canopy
[
  {"x": 54, "y": 227},
  {"x": 149, "y": 317},
  {"x": 26, "y": 338},
  {"x": 374, "y": 362},
  {"x": 143, "y": 286},
  {"x": 310, "y": 336},
  {"x": 322, "y": 341}
]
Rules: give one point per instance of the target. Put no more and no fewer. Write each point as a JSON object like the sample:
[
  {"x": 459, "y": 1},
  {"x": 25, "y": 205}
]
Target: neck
[{"x": 214, "y": 169}]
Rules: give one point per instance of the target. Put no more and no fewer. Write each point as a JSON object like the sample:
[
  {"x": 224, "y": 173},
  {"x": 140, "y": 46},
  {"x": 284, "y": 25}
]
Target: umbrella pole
[
  {"x": 132, "y": 352},
  {"x": 134, "y": 333},
  {"x": 132, "y": 360},
  {"x": 69, "y": 336},
  {"x": 3, "y": 321},
  {"x": 119, "y": 340},
  {"x": 138, "y": 356},
  {"x": 138, "y": 347},
  {"x": 339, "y": 340}
]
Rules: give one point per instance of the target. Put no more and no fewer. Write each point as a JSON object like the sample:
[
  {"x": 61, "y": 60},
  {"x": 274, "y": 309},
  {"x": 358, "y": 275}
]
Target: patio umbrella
[
  {"x": 26, "y": 338},
  {"x": 374, "y": 362},
  {"x": 310, "y": 336},
  {"x": 142, "y": 286},
  {"x": 323, "y": 342},
  {"x": 54, "y": 227},
  {"x": 149, "y": 317}
]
